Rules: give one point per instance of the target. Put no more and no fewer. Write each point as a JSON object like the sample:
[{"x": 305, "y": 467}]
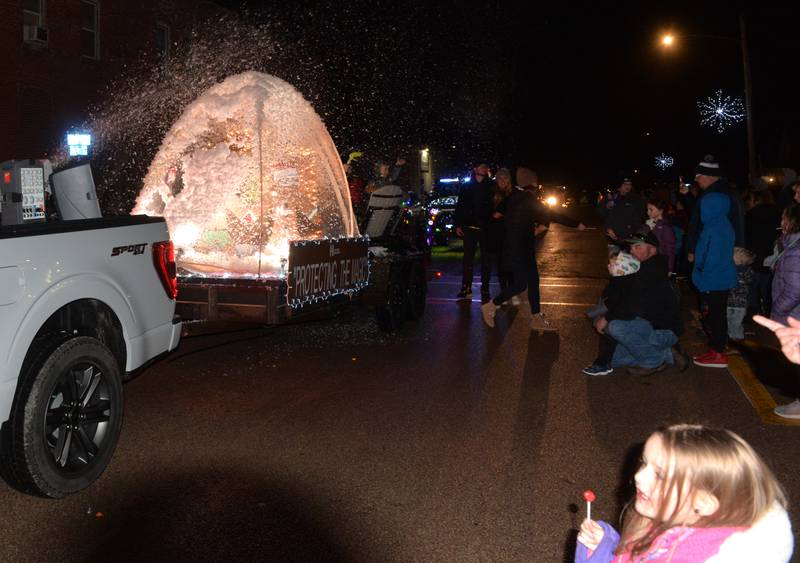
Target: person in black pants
[
  {"x": 714, "y": 275},
  {"x": 494, "y": 232},
  {"x": 523, "y": 212},
  {"x": 473, "y": 212}
]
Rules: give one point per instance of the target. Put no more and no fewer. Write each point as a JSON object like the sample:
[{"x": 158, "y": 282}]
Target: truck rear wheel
[
  {"x": 391, "y": 312},
  {"x": 66, "y": 418},
  {"x": 417, "y": 292}
]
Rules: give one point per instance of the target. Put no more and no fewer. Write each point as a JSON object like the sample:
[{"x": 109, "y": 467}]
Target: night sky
[{"x": 581, "y": 93}]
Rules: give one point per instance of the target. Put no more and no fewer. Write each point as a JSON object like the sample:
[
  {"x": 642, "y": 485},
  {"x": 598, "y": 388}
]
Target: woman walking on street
[{"x": 523, "y": 212}]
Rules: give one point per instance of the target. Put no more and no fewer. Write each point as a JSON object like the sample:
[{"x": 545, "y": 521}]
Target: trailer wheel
[
  {"x": 391, "y": 312},
  {"x": 417, "y": 292},
  {"x": 66, "y": 418}
]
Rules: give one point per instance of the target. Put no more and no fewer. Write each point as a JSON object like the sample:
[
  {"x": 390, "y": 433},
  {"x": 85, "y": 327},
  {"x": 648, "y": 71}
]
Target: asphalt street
[{"x": 329, "y": 441}]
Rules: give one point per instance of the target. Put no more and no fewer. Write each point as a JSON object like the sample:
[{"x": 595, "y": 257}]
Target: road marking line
[{"x": 756, "y": 393}]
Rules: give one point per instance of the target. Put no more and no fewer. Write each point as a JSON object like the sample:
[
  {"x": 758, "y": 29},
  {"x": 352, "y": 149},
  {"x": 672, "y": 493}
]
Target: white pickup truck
[{"x": 83, "y": 305}]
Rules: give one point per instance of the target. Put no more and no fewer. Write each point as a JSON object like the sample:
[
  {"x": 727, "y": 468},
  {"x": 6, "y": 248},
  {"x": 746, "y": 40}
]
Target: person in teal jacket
[{"x": 714, "y": 275}]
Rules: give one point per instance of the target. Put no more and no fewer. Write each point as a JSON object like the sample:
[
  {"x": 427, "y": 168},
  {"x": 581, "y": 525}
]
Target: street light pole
[{"x": 748, "y": 101}]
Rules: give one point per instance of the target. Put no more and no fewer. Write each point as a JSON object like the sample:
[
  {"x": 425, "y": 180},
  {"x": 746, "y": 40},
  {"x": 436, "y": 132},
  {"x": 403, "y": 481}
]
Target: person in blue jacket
[{"x": 714, "y": 275}]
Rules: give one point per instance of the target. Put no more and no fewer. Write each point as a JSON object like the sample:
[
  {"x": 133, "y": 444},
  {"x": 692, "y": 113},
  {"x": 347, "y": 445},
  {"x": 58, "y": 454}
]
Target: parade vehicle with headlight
[
  {"x": 253, "y": 191},
  {"x": 441, "y": 216},
  {"x": 85, "y": 302},
  {"x": 554, "y": 197}
]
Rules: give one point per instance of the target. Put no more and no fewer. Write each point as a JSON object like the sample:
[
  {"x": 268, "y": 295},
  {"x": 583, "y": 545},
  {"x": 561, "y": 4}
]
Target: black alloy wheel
[
  {"x": 76, "y": 424},
  {"x": 66, "y": 418}
]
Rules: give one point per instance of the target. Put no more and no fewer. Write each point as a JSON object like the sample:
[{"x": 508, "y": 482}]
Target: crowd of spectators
[{"x": 739, "y": 251}]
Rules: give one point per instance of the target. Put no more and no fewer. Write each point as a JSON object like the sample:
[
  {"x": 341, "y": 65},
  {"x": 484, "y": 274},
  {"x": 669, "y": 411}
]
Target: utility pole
[{"x": 752, "y": 163}]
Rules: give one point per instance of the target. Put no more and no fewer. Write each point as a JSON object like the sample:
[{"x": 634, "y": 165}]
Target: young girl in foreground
[{"x": 702, "y": 494}]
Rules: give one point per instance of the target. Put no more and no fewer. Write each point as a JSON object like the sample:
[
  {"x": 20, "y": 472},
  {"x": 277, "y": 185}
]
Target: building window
[
  {"x": 33, "y": 30},
  {"x": 33, "y": 13},
  {"x": 162, "y": 42},
  {"x": 89, "y": 34}
]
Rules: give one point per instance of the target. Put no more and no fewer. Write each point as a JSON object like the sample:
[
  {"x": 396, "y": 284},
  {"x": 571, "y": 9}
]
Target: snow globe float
[{"x": 247, "y": 168}]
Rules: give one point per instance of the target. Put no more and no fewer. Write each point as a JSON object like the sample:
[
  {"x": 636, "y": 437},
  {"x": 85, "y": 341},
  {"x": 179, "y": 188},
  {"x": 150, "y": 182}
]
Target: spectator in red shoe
[{"x": 714, "y": 275}]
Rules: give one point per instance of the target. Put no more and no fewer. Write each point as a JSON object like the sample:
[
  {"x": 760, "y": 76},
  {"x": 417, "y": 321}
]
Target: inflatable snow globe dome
[{"x": 247, "y": 168}]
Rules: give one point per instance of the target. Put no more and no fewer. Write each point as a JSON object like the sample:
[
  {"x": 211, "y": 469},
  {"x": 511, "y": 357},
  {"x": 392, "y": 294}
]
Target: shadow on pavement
[
  {"x": 215, "y": 517},
  {"x": 543, "y": 351},
  {"x": 771, "y": 367}
]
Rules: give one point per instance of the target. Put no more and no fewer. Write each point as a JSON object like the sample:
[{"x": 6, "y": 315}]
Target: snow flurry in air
[{"x": 720, "y": 111}]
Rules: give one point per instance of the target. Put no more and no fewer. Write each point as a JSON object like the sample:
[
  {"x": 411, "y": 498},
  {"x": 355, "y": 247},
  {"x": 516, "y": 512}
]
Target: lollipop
[{"x": 588, "y": 495}]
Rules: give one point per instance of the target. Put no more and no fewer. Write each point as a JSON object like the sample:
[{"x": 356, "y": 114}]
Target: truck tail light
[{"x": 164, "y": 261}]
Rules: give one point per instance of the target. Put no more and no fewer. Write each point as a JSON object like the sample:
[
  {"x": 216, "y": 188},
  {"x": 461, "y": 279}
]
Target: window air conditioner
[{"x": 34, "y": 34}]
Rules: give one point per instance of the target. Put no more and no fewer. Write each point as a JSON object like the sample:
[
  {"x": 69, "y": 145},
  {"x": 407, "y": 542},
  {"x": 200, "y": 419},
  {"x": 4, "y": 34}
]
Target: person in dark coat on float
[{"x": 523, "y": 213}]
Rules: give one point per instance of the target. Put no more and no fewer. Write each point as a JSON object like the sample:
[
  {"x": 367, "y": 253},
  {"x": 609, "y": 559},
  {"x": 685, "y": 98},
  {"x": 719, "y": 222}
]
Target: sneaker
[
  {"x": 539, "y": 322},
  {"x": 640, "y": 371},
  {"x": 680, "y": 360},
  {"x": 488, "y": 310},
  {"x": 466, "y": 292},
  {"x": 597, "y": 369},
  {"x": 792, "y": 410},
  {"x": 516, "y": 301},
  {"x": 711, "y": 359}
]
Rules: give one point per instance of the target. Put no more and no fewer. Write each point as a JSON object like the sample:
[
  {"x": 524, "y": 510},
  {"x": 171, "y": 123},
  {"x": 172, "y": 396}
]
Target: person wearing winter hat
[
  {"x": 624, "y": 211},
  {"x": 714, "y": 275},
  {"x": 622, "y": 266},
  {"x": 708, "y": 176},
  {"x": 646, "y": 324}
]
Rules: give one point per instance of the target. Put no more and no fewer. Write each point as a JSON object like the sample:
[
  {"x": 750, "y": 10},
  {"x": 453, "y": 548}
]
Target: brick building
[{"x": 58, "y": 55}]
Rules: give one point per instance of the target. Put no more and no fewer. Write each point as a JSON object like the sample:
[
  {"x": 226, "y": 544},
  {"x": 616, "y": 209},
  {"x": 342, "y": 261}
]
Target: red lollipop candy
[{"x": 589, "y": 496}]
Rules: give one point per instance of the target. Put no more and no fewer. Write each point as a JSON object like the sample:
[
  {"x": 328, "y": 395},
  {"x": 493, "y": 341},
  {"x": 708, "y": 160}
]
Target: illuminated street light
[{"x": 668, "y": 40}]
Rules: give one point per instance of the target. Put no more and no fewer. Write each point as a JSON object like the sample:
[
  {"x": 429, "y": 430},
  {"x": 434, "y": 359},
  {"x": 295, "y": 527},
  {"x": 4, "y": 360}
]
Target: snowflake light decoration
[
  {"x": 664, "y": 161},
  {"x": 720, "y": 111}
]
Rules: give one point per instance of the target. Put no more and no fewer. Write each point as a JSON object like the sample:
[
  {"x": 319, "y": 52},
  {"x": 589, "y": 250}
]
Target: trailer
[{"x": 386, "y": 269}]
